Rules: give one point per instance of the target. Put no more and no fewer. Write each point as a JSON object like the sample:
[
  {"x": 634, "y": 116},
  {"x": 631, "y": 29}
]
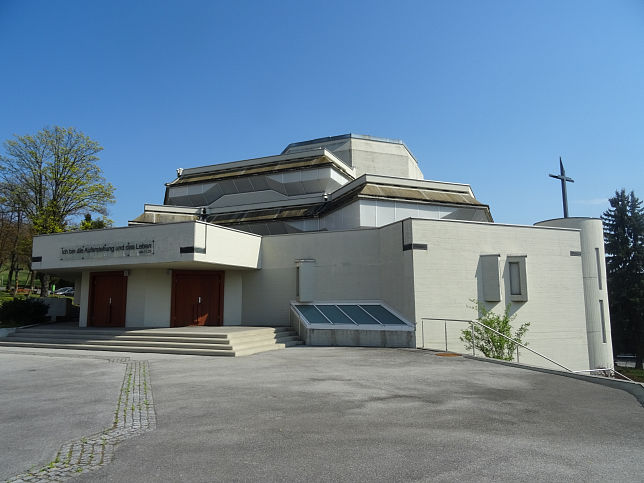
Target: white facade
[{"x": 343, "y": 220}]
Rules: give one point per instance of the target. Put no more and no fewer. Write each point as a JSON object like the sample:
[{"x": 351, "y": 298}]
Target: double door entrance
[{"x": 197, "y": 298}]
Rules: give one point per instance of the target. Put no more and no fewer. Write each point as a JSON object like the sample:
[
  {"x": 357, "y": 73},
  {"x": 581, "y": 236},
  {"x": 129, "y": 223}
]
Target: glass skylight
[{"x": 348, "y": 314}]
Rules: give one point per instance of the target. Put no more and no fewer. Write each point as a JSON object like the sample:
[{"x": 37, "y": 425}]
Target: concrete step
[
  {"x": 236, "y": 339},
  {"x": 119, "y": 337},
  {"x": 166, "y": 341},
  {"x": 255, "y": 347},
  {"x": 157, "y": 350},
  {"x": 120, "y": 343},
  {"x": 118, "y": 332},
  {"x": 285, "y": 339},
  {"x": 294, "y": 343}
]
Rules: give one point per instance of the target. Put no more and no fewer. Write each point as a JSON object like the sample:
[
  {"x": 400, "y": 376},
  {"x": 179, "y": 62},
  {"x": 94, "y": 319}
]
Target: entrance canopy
[{"x": 186, "y": 245}]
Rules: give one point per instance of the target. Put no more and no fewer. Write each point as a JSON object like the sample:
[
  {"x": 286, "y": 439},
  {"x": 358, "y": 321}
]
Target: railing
[
  {"x": 605, "y": 372},
  {"x": 472, "y": 332}
]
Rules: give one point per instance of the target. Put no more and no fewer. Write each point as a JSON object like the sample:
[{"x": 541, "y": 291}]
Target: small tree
[
  {"x": 89, "y": 224},
  {"x": 490, "y": 343}
]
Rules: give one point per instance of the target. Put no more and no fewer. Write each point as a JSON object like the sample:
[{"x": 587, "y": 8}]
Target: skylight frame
[{"x": 378, "y": 326}]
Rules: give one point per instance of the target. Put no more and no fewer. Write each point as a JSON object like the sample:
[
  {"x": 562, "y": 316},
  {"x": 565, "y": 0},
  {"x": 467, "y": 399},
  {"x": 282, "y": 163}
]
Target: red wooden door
[
  {"x": 108, "y": 296},
  {"x": 197, "y": 298}
]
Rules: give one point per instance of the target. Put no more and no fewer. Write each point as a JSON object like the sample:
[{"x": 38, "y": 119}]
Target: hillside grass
[
  {"x": 631, "y": 373},
  {"x": 23, "y": 275}
]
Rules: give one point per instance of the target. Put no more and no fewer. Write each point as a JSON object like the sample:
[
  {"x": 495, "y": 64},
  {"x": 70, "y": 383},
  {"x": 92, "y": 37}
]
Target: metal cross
[{"x": 564, "y": 179}]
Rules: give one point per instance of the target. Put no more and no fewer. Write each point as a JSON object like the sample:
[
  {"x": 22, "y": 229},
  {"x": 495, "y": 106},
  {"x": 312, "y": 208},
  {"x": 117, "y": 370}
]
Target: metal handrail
[
  {"x": 472, "y": 322},
  {"x": 612, "y": 372}
]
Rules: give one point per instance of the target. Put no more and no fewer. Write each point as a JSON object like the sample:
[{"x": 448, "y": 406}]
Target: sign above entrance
[{"x": 108, "y": 250}]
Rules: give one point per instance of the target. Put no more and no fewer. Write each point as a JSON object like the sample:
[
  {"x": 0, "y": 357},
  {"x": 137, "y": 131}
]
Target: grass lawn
[
  {"x": 23, "y": 275},
  {"x": 634, "y": 374}
]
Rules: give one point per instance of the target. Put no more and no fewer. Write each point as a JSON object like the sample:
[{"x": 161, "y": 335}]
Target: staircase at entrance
[{"x": 207, "y": 341}]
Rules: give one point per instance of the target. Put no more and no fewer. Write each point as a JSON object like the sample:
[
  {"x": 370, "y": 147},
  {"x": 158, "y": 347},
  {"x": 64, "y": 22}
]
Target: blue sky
[{"x": 489, "y": 93}]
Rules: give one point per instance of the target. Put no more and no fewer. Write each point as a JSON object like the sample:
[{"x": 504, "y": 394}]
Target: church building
[{"x": 343, "y": 239}]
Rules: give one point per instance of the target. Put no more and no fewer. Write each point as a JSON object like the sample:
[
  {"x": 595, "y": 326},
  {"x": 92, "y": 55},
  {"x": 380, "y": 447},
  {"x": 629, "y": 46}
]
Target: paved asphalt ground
[{"x": 323, "y": 414}]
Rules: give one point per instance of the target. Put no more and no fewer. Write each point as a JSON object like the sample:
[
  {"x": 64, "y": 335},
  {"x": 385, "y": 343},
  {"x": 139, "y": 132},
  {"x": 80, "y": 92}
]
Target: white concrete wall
[
  {"x": 375, "y": 213},
  {"x": 448, "y": 275},
  {"x": 396, "y": 270},
  {"x": 233, "y": 292},
  {"x": 224, "y": 247},
  {"x": 84, "y": 299},
  {"x": 389, "y": 159},
  {"x": 148, "y": 298},
  {"x": 228, "y": 247},
  {"x": 371, "y": 156},
  {"x": 349, "y": 265}
]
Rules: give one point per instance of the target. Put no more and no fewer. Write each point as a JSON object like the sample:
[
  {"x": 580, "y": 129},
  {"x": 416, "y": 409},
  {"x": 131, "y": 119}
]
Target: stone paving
[{"x": 134, "y": 415}]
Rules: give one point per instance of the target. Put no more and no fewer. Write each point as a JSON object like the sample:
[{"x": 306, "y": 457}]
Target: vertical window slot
[
  {"x": 599, "y": 268},
  {"x": 603, "y": 320},
  {"x": 515, "y": 278}
]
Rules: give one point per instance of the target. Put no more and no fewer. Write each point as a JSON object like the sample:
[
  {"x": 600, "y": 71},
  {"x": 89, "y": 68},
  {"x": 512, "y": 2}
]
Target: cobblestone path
[{"x": 134, "y": 415}]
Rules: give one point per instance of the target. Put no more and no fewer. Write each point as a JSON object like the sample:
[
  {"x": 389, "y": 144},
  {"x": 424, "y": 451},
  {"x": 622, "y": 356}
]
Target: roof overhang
[
  {"x": 404, "y": 189},
  {"x": 193, "y": 244},
  {"x": 270, "y": 164}
]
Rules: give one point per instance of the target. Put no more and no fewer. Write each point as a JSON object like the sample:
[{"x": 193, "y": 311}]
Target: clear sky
[{"x": 489, "y": 93}]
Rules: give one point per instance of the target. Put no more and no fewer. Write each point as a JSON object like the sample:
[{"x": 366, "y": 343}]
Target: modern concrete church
[{"x": 343, "y": 239}]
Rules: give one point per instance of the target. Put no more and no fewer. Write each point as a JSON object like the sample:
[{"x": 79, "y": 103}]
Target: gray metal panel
[
  {"x": 490, "y": 278},
  {"x": 259, "y": 182},
  {"x": 213, "y": 194},
  {"x": 275, "y": 183},
  {"x": 228, "y": 187},
  {"x": 243, "y": 184}
]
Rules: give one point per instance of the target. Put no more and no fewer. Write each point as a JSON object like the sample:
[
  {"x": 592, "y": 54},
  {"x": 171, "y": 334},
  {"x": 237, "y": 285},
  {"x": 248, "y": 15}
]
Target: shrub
[
  {"x": 28, "y": 311},
  {"x": 492, "y": 344}
]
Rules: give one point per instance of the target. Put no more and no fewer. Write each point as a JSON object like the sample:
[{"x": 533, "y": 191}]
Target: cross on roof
[{"x": 564, "y": 179}]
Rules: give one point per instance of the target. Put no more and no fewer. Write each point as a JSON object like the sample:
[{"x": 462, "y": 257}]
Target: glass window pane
[
  {"x": 358, "y": 315},
  {"x": 383, "y": 315},
  {"x": 515, "y": 278},
  {"x": 334, "y": 314},
  {"x": 311, "y": 314}
]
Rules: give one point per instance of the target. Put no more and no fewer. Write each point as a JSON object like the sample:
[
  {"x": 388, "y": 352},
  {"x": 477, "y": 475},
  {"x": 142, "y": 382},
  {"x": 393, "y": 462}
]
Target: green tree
[
  {"x": 88, "y": 224},
  {"x": 624, "y": 245},
  {"x": 52, "y": 176},
  {"x": 490, "y": 343},
  {"x": 15, "y": 241}
]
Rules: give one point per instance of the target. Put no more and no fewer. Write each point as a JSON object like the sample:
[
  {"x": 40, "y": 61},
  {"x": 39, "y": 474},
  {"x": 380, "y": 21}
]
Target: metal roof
[
  {"x": 303, "y": 159},
  {"x": 330, "y": 139}
]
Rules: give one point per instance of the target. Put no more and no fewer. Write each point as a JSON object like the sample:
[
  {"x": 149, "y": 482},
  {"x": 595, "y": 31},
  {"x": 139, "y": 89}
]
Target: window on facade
[
  {"x": 517, "y": 278},
  {"x": 599, "y": 268},
  {"x": 603, "y": 320},
  {"x": 490, "y": 277}
]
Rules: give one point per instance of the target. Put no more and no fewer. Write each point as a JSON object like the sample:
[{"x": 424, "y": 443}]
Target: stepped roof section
[
  {"x": 367, "y": 154},
  {"x": 310, "y": 185}
]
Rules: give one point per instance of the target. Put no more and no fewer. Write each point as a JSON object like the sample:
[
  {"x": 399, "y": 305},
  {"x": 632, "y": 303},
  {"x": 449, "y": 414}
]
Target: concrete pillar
[{"x": 593, "y": 264}]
